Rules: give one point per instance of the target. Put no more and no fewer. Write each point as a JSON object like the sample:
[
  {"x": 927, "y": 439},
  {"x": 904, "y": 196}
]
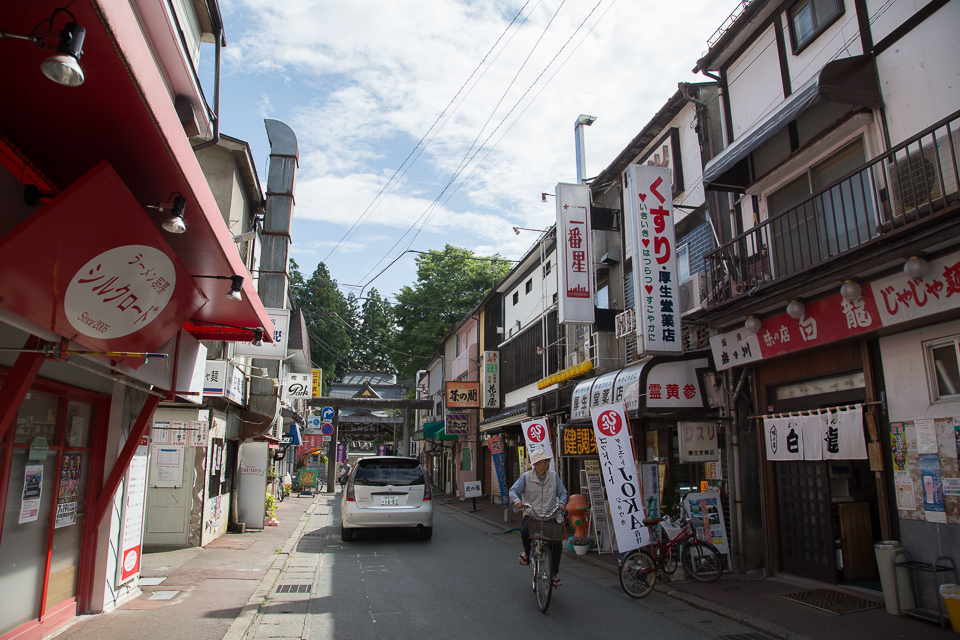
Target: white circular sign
[
  {"x": 130, "y": 560},
  {"x": 120, "y": 291}
]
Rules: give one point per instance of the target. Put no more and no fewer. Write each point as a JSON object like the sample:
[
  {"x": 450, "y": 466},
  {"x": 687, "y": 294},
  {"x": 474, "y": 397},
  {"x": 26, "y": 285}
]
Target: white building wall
[
  {"x": 887, "y": 15},
  {"x": 839, "y": 40},
  {"x": 905, "y": 373},
  {"x": 530, "y": 306},
  {"x": 754, "y": 84},
  {"x": 920, "y": 74}
]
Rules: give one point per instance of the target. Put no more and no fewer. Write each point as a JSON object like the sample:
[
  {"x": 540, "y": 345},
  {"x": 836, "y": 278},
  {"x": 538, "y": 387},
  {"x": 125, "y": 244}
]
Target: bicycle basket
[
  {"x": 671, "y": 528},
  {"x": 549, "y": 530}
]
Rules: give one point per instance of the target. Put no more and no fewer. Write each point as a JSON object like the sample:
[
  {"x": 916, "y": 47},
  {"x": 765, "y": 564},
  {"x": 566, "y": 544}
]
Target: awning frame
[{"x": 852, "y": 80}]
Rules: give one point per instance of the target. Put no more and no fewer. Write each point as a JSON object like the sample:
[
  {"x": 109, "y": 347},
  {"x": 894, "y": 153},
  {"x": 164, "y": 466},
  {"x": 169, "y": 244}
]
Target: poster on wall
[
  {"x": 620, "y": 477},
  {"x": 32, "y": 490},
  {"x": 160, "y": 434},
  {"x": 905, "y": 500},
  {"x": 931, "y": 488},
  {"x": 69, "y": 490},
  {"x": 166, "y": 465},
  {"x": 199, "y": 432},
  {"x": 926, "y": 436},
  {"x": 706, "y": 514},
  {"x": 134, "y": 502},
  {"x": 898, "y": 448}
]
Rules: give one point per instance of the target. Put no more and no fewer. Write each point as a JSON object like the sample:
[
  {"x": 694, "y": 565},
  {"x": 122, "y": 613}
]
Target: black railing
[{"x": 913, "y": 181}]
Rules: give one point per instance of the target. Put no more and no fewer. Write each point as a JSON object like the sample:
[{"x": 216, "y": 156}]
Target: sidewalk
[
  {"x": 201, "y": 593},
  {"x": 753, "y": 601}
]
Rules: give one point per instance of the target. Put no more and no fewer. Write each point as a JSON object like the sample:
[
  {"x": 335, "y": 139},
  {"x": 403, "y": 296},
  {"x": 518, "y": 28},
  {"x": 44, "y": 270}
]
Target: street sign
[
  {"x": 326, "y": 429},
  {"x": 327, "y": 414},
  {"x": 313, "y": 421},
  {"x": 327, "y": 439}
]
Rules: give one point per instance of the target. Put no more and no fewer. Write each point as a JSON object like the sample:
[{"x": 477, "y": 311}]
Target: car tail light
[
  {"x": 427, "y": 491},
  {"x": 350, "y": 495}
]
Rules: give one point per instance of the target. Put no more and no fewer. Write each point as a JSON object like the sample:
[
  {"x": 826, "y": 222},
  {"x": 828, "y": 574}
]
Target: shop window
[
  {"x": 809, "y": 18},
  {"x": 943, "y": 367}
]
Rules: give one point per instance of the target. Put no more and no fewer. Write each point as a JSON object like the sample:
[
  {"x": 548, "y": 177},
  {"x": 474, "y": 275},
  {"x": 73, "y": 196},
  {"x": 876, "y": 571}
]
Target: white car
[{"x": 386, "y": 491}]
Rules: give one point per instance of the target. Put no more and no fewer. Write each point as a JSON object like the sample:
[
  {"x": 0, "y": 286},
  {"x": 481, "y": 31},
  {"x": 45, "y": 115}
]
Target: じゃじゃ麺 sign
[
  {"x": 650, "y": 205},
  {"x": 575, "y": 287}
]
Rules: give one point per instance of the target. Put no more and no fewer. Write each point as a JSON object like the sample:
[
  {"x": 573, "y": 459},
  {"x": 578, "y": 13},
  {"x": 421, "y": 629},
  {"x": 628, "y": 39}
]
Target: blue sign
[
  {"x": 327, "y": 414},
  {"x": 313, "y": 421},
  {"x": 326, "y": 429}
]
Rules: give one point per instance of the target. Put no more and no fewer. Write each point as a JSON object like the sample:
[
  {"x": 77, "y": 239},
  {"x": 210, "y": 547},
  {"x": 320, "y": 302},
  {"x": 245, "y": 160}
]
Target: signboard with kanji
[
  {"x": 698, "y": 441},
  {"x": 650, "y": 206},
  {"x": 457, "y": 424},
  {"x": 577, "y": 441},
  {"x": 296, "y": 386},
  {"x": 491, "y": 379},
  {"x": 463, "y": 395},
  {"x": 574, "y": 260},
  {"x": 316, "y": 379},
  {"x": 676, "y": 384},
  {"x": 882, "y": 303},
  {"x": 277, "y": 350}
]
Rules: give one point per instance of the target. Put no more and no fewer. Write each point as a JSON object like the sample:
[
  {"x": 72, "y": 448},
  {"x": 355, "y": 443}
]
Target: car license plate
[{"x": 390, "y": 501}]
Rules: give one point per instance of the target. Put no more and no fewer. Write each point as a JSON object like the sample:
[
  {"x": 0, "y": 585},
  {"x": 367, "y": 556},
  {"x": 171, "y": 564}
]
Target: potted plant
[{"x": 581, "y": 544}]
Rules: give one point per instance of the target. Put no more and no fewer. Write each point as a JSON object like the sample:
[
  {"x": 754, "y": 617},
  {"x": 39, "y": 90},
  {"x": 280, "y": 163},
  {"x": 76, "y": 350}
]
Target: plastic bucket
[{"x": 951, "y": 600}]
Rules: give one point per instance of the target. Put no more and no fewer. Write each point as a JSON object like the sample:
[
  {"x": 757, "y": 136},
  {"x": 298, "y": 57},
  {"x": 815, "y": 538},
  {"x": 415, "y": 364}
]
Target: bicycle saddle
[{"x": 649, "y": 522}]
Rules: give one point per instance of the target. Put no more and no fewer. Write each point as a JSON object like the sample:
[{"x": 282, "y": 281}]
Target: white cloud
[{"x": 362, "y": 81}]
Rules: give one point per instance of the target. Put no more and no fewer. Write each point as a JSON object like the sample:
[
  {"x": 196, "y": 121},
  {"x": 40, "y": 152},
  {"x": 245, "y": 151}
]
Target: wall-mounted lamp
[
  {"x": 916, "y": 267},
  {"x": 752, "y": 324},
  {"x": 796, "y": 309},
  {"x": 176, "y": 207},
  {"x": 850, "y": 290},
  {"x": 63, "y": 67},
  {"x": 517, "y": 230},
  {"x": 257, "y": 337},
  {"x": 236, "y": 287}
]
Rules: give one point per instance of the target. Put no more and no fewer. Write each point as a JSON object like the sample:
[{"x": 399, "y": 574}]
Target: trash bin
[
  {"x": 951, "y": 600},
  {"x": 885, "y": 551}
]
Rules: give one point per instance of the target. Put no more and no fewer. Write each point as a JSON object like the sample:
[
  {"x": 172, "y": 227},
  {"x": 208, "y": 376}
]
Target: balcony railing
[{"x": 910, "y": 183}]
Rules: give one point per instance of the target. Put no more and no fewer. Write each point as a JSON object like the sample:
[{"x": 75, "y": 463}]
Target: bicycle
[
  {"x": 543, "y": 530},
  {"x": 639, "y": 570}
]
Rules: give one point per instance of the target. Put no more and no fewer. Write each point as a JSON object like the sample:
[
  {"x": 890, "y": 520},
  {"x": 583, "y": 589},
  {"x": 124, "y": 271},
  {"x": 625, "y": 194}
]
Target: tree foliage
[
  {"x": 450, "y": 283},
  {"x": 325, "y": 310},
  {"x": 372, "y": 338}
]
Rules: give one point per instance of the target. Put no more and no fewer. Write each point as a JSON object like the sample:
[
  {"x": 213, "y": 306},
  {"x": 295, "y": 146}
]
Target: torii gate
[{"x": 365, "y": 403}]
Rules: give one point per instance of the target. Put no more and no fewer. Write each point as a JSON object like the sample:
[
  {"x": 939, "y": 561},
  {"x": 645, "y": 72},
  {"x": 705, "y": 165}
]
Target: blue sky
[{"x": 362, "y": 82}]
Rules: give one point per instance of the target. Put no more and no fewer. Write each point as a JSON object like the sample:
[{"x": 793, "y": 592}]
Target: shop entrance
[{"x": 827, "y": 510}]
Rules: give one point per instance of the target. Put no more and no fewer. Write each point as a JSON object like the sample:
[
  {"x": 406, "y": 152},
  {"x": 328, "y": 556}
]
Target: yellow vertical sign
[{"x": 317, "y": 383}]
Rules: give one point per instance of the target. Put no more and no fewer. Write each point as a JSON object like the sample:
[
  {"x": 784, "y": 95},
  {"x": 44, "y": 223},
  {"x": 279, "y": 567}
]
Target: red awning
[{"x": 123, "y": 114}]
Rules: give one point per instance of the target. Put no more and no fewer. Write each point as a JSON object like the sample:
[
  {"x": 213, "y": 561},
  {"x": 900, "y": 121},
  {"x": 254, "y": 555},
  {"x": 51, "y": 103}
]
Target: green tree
[
  {"x": 449, "y": 284},
  {"x": 324, "y": 309},
  {"x": 372, "y": 340}
]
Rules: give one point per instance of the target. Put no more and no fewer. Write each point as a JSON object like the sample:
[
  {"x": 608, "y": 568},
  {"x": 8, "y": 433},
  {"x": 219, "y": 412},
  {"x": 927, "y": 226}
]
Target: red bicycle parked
[{"x": 673, "y": 542}]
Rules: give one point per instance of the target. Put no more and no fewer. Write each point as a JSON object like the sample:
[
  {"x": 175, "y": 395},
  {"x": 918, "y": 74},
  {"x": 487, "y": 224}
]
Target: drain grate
[
  {"x": 294, "y": 588},
  {"x": 314, "y": 534}
]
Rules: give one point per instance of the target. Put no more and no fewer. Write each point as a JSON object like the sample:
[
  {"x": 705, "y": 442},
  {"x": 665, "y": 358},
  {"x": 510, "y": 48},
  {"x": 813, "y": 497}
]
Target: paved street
[
  {"x": 298, "y": 580},
  {"x": 464, "y": 583}
]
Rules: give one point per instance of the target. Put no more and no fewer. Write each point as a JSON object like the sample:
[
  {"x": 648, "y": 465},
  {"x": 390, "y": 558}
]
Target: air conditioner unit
[
  {"x": 914, "y": 180},
  {"x": 693, "y": 290}
]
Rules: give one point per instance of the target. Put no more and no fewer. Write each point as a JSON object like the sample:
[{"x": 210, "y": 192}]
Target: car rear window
[{"x": 380, "y": 473}]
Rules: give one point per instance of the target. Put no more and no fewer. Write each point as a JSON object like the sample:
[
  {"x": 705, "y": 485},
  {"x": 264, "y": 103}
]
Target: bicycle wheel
[
  {"x": 544, "y": 579},
  {"x": 701, "y": 561},
  {"x": 638, "y": 574}
]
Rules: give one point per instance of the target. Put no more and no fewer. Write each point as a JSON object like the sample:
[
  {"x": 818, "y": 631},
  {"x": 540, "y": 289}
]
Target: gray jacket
[{"x": 540, "y": 493}]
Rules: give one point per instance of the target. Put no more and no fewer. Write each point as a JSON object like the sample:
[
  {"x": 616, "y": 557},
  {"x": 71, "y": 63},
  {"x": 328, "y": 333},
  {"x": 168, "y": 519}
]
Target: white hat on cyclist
[{"x": 538, "y": 456}]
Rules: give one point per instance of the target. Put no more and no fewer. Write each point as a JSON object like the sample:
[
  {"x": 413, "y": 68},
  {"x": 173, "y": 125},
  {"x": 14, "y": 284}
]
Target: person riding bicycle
[{"x": 542, "y": 489}]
